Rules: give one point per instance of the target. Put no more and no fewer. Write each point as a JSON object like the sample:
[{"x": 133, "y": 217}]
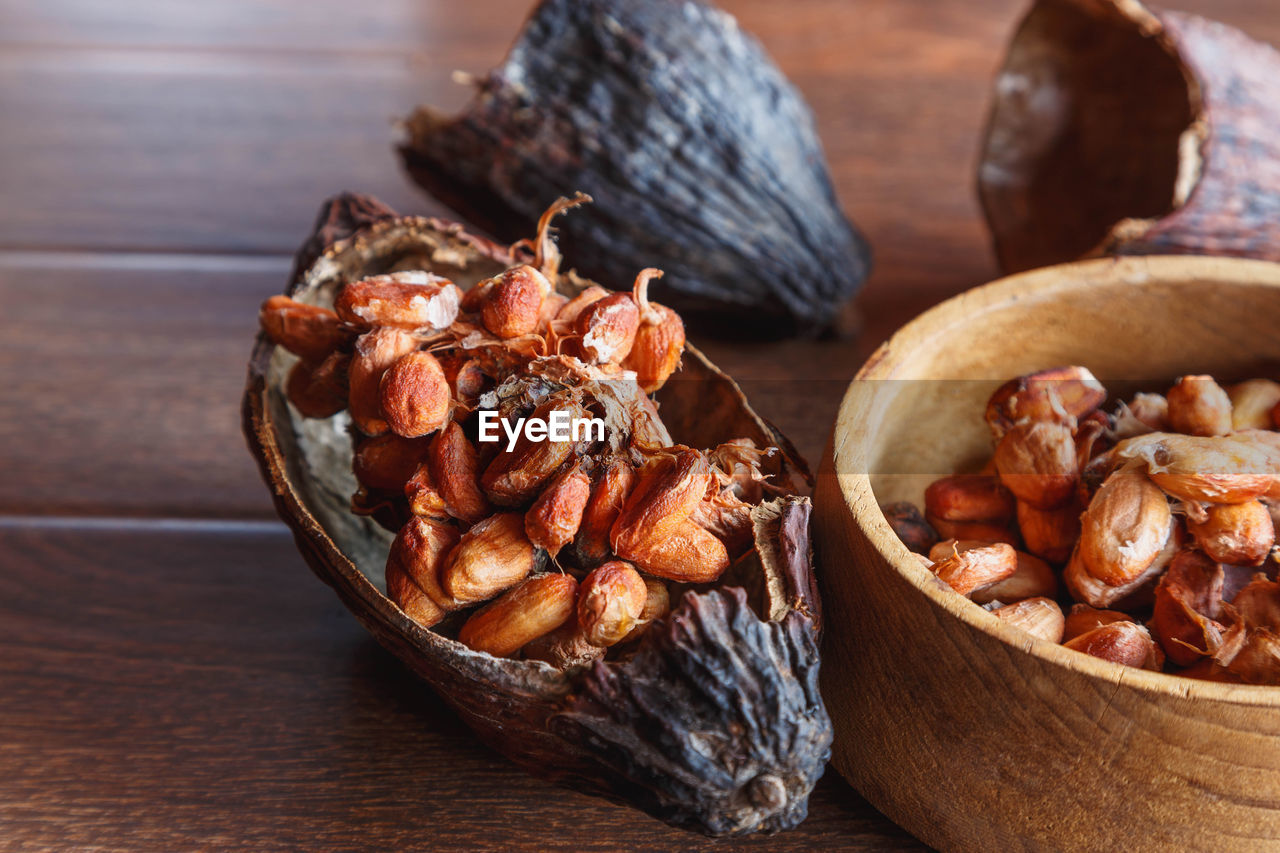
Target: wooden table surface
[{"x": 171, "y": 674}]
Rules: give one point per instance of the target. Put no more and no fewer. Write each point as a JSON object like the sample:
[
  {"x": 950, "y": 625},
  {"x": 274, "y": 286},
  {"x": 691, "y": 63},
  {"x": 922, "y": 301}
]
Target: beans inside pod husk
[
  {"x": 702, "y": 158},
  {"x": 734, "y": 666},
  {"x": 1118, "y": 129}
]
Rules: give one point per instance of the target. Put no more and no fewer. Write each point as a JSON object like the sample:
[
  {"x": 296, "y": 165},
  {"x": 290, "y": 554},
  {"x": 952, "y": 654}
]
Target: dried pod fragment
[
  {"x": 415, "y": 395},
  {"x": 910, "y": 526},
  {"x": 553, "y": 520},
  {"x": 1239, "y": 534},
  {"x": 308, "y": 331},
  {"x": 1126, "y": 643},
  {"x": 1037, "y": 462},
  {"x": 339, "y": 217},
  {"x": 679, "y": 687},
  {"x": 455, "y": 473},
  {"x": 492, "y": 556},
  {"x": 1039, "y": 617},
  {"x": 1199, "y": 406},
  {"x": 1083, "y": 619},
  {"x": 1124, "y": 528},
  {"x": 969, "y": 497},
  {"x": 611, "y": 602},
  {"x": 1155, "y": 140},
  {"x": 1188, "y": 598},
  {"x": 1061, "y": 394},
  {"x": 1252, "y": 402},
  {"x": 536, "y": 607},
  {"x": 375, "y": 352},
  {"x": 735, "y": 125},
  {"x": 977, "y": 568},
  {"x": 410, "y": 300}
]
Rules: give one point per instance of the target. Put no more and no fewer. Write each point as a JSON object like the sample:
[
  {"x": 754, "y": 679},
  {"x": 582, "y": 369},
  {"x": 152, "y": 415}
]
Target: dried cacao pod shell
[
  {"x": 1118, "y": 129},
  {"x": 741, "y": 659},
  {"x": 701, "y": 157}
]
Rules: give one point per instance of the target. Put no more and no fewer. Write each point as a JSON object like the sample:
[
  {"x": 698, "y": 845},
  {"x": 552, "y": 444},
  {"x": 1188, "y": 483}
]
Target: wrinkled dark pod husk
[
  {"x": 690, "y": 699},
  {"x": 1118, "y": 129},
  {"x": 714, "y": 724},
  {"x": 701, "y": 157},
  {"x": 339, "y": 218}
]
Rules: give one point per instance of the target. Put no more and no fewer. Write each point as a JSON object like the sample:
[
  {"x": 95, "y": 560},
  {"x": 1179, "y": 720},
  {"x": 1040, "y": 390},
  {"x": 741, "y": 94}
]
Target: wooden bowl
[{"x": 961, "y": 728}]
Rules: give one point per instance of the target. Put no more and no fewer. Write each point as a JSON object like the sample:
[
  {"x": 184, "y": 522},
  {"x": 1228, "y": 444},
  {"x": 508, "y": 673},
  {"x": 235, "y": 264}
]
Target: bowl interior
[
  {"x": 915, "y": 411},
  {"x": 1138, "y": 324}
]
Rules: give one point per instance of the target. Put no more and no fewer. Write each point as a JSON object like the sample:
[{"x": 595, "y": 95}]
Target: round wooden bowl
[{"x": 961, "y": 728}]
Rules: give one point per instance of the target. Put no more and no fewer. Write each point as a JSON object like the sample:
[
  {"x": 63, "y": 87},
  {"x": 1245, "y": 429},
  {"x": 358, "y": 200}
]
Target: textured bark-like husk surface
[
  {"x": 715, "y": 724},
  {"x": 702, "y": 159},
  {"x": 1118, "y": 129}
]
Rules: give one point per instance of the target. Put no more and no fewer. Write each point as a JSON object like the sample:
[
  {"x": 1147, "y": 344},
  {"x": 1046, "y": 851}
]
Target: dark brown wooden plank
[
  {"x": 385, "y": 25},
  {"x": 122, "y": 383},
  {"x": 194, "y": 152},
  {"x": 380, "y": 26},
  {"x": 197, "y": 687}
]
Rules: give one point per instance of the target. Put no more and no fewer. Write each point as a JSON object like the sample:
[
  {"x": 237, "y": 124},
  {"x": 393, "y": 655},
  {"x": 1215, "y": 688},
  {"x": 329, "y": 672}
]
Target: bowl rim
[{"x": 861, "y": 503}]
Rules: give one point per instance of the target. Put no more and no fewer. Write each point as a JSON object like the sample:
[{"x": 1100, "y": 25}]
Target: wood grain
[
  {"x": 169, "y": 687},
  {"x": 196, "y": 687},
  {"x": 123, "y": 378}
]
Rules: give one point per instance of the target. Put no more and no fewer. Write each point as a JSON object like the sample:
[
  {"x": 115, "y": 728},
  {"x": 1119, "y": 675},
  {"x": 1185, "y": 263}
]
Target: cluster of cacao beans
[
  {"x": 567, "y": 547},
  {"x": 1144, "y": 535}
]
